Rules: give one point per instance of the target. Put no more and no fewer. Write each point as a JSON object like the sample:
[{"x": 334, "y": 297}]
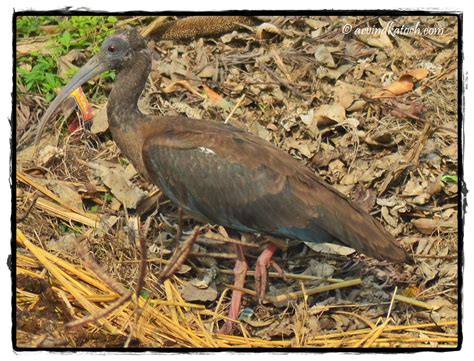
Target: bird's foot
[
  {"x": 227, "y": 328},
  {"x": 261, "y": 272}
]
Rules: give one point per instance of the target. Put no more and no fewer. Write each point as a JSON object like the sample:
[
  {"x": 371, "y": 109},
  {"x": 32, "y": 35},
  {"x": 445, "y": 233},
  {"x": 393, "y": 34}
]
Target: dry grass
[
  {"x": 170, "y": 321},
  {"x": 396, "y": 155}
]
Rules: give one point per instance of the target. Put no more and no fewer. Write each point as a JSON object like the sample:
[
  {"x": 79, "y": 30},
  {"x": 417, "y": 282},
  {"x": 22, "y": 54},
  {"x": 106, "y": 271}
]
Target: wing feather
[{"x": 226, "y": 176}]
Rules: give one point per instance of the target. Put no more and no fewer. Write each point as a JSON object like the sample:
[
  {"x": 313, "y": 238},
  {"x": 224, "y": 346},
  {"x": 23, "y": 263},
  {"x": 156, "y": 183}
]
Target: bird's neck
[{"x": 122, "y": 107}]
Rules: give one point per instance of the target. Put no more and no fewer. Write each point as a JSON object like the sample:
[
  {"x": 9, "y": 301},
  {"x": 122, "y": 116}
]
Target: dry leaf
[
  {"x": 334, "y": 74},
  {"x": 320, "y": 269},
  {"x": 100, "y": 123},
  {"x": 402, "y": 86},
  {"x": 171, "y": 87},
  {"x": 216, "y": 99},
  {"x": 48, "y": 154},
  {"x": 343, "y": 94},
  {"x": 324, "y": 57},
  {"x": 208, "y": 72},
  {"x": 303, "y": 146},
  {"x": 68, "y": 195},
  {"x": 329, "y": 114},
  {"x": 330, "y": 248},
  {"x": 192, "y": 293},
  {"x": 381, "y": 139},
  {"x": 65, "y": 63},
  {"x": 379, "y": 40},
  {"x": 429, "y": 225},
  {"x": 36, "y": 46},
  {"x": 388, "y": 218},
  {"x": 356, "y": 49},
  {"x": 113, "y": 176},
  {"x": 316, "y": 24},
  {"x": 266, "y": 30},
  {"x": 418, "y": 74}
]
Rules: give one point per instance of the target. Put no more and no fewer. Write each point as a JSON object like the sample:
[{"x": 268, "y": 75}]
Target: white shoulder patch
[{"x": 206, "y": 150}]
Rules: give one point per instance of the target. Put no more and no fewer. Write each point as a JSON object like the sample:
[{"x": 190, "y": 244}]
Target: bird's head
[{"x": 116, "y": 52}]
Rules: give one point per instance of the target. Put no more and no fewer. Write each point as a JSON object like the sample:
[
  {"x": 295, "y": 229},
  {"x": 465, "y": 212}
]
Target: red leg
[
  {"x": 263, "y": 261},
  {"x": 240, "y": 271}
]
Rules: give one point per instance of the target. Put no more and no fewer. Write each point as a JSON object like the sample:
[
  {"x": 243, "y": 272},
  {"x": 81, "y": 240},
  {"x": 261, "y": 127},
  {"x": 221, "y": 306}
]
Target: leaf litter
[{"x": 374, "y": 116}]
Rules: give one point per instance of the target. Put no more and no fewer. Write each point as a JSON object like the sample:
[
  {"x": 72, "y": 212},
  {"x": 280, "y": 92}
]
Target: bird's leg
[
  {"x": 240, "y": 271},
  {"x": 263, "y": 261}
]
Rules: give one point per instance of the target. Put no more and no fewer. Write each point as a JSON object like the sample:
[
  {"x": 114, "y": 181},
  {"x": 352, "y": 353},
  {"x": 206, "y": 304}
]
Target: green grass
[{"x": 37, "y": 71}]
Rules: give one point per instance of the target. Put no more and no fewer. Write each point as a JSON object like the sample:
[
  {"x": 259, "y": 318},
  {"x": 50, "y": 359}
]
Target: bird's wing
[{"x": 230, "y": 177}]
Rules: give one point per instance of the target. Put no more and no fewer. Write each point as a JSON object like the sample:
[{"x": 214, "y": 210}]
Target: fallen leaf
[
  {"x": 428, "y": 271},
  {"x": 209, "y": 71},
  {"x": 323, "y": 72},
  {"x": 444, "y": 56},
  {"x": 343, "y": 94},
  {"x": 323, "y": 56},
  {"x": 316, "y": 24},
  {"x": 65, "y": 243},
  {"x": 378, "y": 39},
  {"x": 192, "y": 293},
  {"x": 216, "y": 99},
  {"x": 363, "y": 197},
  {"x": 171, "y": 87},
  {"x": 381, "y": 139},
  {"x": 112, "y": 175},
  {"x": 65, "y": 63},
  {"x": 329, "y": 114},
  {"x": 388, "y": 218},
  {"x": 320, "y": 269},
  {"x": 330, "y": 248},
  {"x": 302, "y": 146},
  {"x": 429, "y": 225},
  {"x": 356, "y": 49},
  {"x": 48, "y": 154},
  {"x": 100, "y": 123},
  {"x": 41, "y": 47},
  {"x": 402, "y": 86},
  {"x": 418, "y": 74},
  {"x": 68, "y": 195},
  {"x": 266, "y": 30}
]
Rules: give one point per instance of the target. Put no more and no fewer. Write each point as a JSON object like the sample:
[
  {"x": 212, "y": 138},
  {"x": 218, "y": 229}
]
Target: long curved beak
[{"x": 91, "y": 69}]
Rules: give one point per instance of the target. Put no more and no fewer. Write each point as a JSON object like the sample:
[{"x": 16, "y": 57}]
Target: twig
[
  {"x": 434, "y": 256},
  {"x": 96, "y": 268},
  {"x": 28, "y": 211},
  {"x": 229, "y": 240},
  {"x": 213, "y": 255},
  {"x": 299, "y": 294},
  {"x": 153, "y": 26},
  {"x": 179, "y": 256},
  {"x": 413, "y": 302},
  {"x": 143, "y": 256},
  {"x": 405, "y": 113},
  {"x": 98, "y": 315},
  {"x": 241, "y": 99}
]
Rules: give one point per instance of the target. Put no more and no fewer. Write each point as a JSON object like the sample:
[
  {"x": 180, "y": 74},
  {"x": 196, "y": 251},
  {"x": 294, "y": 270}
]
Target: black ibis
[{"x": 223, "y": 175}]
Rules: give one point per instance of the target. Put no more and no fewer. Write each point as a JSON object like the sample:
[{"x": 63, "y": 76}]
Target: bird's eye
[{"x": 111, "y": 48}]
